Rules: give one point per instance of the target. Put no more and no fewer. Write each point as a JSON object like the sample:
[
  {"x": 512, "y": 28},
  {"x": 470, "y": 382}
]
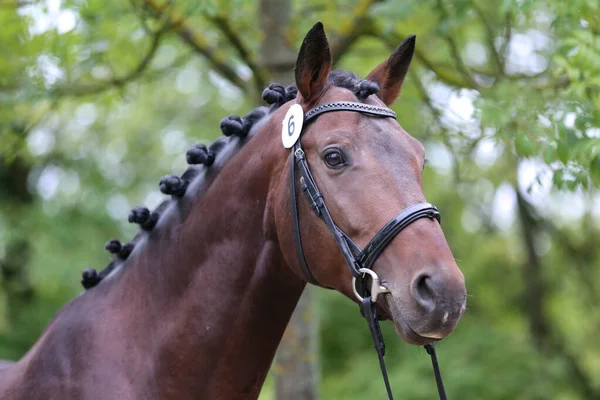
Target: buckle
[
  {"x": 299, "y": 154},
  {"x": 312, "y": 197}
]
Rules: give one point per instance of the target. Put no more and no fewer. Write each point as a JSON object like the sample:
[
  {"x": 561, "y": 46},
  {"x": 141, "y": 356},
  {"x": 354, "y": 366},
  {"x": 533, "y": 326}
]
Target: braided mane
[{"x": 201, "y": 159}]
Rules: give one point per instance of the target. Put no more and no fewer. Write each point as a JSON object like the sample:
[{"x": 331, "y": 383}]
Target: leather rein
[{"x": 365, "y": 282}]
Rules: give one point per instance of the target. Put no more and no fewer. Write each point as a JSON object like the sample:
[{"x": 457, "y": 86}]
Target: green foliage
[{"x": 97, "y": 110}]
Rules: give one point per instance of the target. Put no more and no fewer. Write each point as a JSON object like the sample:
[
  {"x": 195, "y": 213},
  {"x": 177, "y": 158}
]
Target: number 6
[{"x": 291, "y": 125}]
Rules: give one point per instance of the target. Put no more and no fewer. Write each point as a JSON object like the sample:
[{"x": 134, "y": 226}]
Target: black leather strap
[
  {"x": 315, "y": 198},
  {"x": 436, "y": 371},
  {"x": 348, "y": 106},
  {"x": 369, "y": 254},
  {"x": 297, "y": 235},
  {"x": 369, "y": 310}
]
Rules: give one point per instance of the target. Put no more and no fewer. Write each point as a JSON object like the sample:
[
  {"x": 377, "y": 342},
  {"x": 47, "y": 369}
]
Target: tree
[{"x": 295, "y": 367}]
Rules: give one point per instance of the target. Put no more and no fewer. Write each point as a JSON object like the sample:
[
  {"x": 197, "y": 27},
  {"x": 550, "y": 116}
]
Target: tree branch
[
  {"x": 258, "y": 73},
  {"x": 277, "y": 49},
  {"x": 545, "y": 338},
  {"x": 86, "y": 89},
  {"x": 454, "y": 51},
  {"x": 560, "y": 82},
  {"x": 438, "y": 119},
  {"x": 441, "y": 73},
  {"x": 580, "y": 377},
  {"x": 16, "y": 3},
  {"x": 507, "y": 37},
  {"x": 581, "y": 254},
  {"x": 9, "y": 87},
  {"x": 534, "y": 297},
  {"x": 352, "y": 29},
  {"x": 178, "y": 62},
  {"x": 490, "y": 40},
  {"x": 197, "y": 42}
]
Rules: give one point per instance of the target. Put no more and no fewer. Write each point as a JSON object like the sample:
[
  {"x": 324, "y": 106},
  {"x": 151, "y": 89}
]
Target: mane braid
[{"x": 205, "y": 164}]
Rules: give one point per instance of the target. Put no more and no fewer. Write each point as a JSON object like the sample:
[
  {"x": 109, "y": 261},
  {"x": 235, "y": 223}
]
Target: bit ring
[{"x": 376, "y": 288}]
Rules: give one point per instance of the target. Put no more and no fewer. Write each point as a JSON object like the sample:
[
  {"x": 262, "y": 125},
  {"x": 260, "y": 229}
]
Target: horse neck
[{"x": 214, "y": 291}]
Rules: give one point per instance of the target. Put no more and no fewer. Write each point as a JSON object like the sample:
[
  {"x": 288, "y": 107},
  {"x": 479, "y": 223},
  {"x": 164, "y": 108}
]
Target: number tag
[{"x": 292, "y": 125}]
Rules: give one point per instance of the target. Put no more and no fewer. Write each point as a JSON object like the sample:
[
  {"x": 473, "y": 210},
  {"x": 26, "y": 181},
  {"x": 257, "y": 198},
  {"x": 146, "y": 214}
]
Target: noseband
[{"x": 359, "y": 261}]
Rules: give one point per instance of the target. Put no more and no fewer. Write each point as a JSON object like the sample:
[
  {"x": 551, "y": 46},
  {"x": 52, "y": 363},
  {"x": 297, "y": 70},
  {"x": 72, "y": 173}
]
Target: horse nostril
[{"x": 423, "y": 292}]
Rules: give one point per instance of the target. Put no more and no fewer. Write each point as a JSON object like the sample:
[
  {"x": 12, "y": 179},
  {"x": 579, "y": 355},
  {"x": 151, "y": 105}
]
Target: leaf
[
  {"x": 524, "y": 146},
  {"x": 562, "y": 151},
  {"x": 549, "y": 154},
  {"x": 594, "y": 169}
]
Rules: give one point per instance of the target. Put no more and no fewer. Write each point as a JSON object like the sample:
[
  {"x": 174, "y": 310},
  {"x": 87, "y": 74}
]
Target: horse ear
[
  {"x": 313, "y": 64},
  {"x": 390, "y": 73}
]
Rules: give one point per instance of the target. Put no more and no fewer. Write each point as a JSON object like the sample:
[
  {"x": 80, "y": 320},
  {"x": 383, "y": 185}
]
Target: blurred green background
[{"x": 100, "y": 98}]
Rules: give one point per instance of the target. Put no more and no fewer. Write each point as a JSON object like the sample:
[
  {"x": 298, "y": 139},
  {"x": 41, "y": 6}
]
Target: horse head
[{"x": 366, "y": 169}]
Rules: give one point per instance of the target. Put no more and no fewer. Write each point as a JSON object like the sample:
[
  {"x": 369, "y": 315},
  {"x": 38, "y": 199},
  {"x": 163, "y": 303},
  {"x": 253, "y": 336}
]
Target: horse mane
[{"x": 201, "y": 158}]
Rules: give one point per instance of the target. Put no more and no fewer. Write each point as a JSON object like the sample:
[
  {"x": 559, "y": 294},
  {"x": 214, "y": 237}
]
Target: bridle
[{"x": 359, "y": 261}]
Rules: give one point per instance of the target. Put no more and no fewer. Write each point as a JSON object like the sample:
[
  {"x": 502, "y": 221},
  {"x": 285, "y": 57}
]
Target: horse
[{"x": 196, "y": 304}]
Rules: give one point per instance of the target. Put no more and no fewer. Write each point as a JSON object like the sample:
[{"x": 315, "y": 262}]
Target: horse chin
[{"x": 402, "y": 328}]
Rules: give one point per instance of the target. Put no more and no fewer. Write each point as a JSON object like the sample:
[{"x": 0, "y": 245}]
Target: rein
[{"x": 365, "y": 282}]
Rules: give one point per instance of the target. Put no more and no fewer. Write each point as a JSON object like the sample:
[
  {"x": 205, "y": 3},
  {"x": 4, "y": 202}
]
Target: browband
[{"x": 348, "y": 106}]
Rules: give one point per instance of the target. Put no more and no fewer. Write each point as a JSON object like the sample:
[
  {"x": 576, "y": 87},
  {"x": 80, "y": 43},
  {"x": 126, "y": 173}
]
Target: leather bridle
[{"x": 359, "y": 261}]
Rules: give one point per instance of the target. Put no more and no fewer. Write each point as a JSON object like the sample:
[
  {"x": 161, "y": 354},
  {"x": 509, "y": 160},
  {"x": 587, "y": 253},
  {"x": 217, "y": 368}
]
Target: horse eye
[{"x": 334, "y": 158}]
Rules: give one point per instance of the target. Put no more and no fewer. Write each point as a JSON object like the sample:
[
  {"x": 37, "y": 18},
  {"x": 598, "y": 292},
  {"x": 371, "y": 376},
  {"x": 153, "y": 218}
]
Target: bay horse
[{"x": 195, "y": 306}]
